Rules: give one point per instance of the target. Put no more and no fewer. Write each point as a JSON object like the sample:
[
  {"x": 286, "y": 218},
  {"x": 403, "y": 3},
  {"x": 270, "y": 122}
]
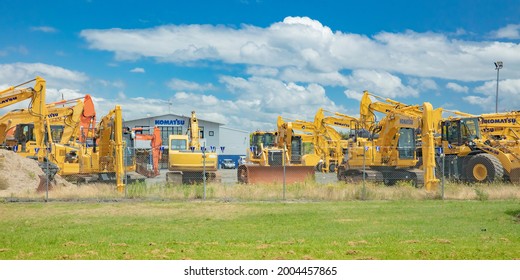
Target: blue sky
[{"x": 244, "y": 62}]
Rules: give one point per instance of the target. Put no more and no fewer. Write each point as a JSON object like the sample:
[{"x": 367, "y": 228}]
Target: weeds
[
  {"x": 481, "y": 194},
  {"x": 304, "y": 191}
]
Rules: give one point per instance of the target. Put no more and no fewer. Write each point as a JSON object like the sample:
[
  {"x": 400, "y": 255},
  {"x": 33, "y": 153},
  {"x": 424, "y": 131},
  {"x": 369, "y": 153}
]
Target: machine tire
[
  {"x": 242, "y": 174},
  {"x": 319, "y": 167},
  {"x": 389, "y": 182},
  {"x": 419, "y": 163},
  {"x": 482, "y": 168},
  {"x": 332, "y": 168}
]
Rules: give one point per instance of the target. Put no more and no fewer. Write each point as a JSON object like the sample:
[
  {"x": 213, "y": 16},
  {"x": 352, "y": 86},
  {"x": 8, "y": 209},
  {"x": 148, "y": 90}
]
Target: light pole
[{"x": 498, "y": 66}]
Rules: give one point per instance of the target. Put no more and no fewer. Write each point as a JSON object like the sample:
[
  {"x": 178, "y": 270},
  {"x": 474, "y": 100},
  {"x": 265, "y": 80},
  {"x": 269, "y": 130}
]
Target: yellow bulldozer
[{"x": 275, "y": 156}]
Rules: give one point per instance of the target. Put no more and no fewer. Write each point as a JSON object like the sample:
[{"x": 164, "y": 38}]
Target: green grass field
[{"x": 407, "y": 229}]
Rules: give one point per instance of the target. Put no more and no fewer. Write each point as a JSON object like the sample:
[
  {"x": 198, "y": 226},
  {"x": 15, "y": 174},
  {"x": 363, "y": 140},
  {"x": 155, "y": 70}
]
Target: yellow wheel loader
[
  {"x": 478, "y": 149},
  {"x": 472, "y": 158}
]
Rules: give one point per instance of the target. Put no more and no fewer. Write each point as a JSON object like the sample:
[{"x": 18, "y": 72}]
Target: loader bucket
[
  {"x": 514, "y": 176},
  {"x": 254, "y": 174}
]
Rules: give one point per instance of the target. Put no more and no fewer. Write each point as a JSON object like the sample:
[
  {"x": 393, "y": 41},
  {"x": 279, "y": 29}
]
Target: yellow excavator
[
  {"x": 188, "y": 161},
  {"x": 107, "y": 152},
  {"x": 78, "y": 120},
  {"x": 37, "y": 110},
  {"x": 305, "y": 131},
  {"x": 65, "y": 122},
  {"x": 476, "y": 148},
  {"x": 33, "y": 136},
  {"x": 329, "y": 142},
  {"x": 38, "y": 116},
  {"x": 326, "y": 142},
  {"x": 389, "y": 155}
]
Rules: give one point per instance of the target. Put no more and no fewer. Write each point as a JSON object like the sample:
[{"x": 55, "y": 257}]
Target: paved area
[{"x": 229, "y": 176}]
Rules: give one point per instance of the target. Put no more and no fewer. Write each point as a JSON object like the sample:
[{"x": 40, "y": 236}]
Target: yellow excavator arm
[
  {"x": 428, "y": 147},
  {"x": 37, "y": 108},
  {"x": 110, "y": 136},
  {"x": 194, "y": 131},
  {"x": 67, "y": 118}
]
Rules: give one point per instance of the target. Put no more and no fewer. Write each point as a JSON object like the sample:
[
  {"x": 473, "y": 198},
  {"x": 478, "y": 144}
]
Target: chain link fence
[{"x": 361, "y": 173}]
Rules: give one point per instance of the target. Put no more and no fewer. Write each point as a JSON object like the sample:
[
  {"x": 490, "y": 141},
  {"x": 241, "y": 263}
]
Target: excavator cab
[
  {"x": 57, "y": 133},
  {"x": 406, "y": 143},
  {"x": 129, "y": 151},
  {"x": 261, "y": 140},
  {"x": 296, "y": 149},
  {"x": 460, "y": 131}
]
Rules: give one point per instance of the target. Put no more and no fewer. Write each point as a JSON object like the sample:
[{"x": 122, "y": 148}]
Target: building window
[
  {"x": 211, "y": 133},
  {"x": 201, "y": 132},
  {"x": 166, "y": 131}
]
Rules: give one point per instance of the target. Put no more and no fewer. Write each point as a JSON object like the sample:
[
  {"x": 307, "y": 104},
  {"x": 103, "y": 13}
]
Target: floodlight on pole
[{"x": 498, "y": 66}]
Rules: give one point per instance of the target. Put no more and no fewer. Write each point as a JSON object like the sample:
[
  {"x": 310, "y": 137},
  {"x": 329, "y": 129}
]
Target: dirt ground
[{"x": 21, "y": 175}]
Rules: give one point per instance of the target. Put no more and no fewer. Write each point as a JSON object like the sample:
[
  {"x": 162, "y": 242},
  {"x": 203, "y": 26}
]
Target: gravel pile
[{"x": 21, "y": 175}]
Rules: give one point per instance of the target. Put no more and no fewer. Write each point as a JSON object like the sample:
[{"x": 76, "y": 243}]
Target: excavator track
[{"x": 389, "y": 178}]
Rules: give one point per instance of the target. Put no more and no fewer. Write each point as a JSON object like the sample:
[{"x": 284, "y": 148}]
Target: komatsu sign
[
  {"x": 508, "y": 120},
  {"x": 169, "y": 122}
]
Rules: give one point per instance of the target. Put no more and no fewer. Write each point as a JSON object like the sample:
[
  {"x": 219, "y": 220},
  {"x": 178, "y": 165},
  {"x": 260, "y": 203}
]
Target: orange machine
[{"x": 146, "y": 166}]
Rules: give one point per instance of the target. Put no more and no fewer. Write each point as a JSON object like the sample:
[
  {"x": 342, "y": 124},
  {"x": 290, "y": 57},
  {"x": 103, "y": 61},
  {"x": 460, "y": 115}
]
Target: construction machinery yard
[{"x": 415, "y": 144}]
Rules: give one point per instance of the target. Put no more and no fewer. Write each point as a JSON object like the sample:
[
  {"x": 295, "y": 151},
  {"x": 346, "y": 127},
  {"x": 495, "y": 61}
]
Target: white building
[{"x": 230, "y": 143}]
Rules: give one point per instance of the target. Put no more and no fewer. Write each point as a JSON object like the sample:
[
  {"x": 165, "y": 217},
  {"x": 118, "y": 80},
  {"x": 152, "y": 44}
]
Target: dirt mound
[{"x": 21, "y": 175}]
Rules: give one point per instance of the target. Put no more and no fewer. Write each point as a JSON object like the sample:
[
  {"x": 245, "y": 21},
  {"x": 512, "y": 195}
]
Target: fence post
[
  {"x": 125, "y": 178},
  {"x": 47, "y": 174},
  {"x": 443, "y": 158},
  {"x": 204, "y": 171},
  {"x": 363, "y": 190},
  {"x": 283, "y": 164}
]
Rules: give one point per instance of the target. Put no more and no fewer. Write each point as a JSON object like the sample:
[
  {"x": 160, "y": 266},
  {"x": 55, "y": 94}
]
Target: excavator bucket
[
  {"x": 254, "y": 174},
  {"x": 514, "y": 176}
]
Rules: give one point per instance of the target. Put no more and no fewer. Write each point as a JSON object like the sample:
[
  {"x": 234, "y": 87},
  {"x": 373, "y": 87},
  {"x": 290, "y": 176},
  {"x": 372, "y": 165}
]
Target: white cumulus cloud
[
  {"x": 508, "y": 96},
  {"x": 510, "y": 31},
  {"x": 379, "y": 83},
  {"x": 20, "y": 72},
  {"x": 456, "y": 87},
  {"x": 306, "y": 44},
  {"x": 183, "y": 85}
]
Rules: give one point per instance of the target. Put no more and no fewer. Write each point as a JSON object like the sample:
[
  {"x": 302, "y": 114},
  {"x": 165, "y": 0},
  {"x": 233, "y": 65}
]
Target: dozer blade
[{"x": 254, "y": 174}]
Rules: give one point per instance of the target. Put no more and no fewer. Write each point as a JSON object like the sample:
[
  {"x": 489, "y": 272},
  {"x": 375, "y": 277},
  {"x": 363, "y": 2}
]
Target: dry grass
[
  {"x": 495, "y": 191},
  {"x": 90, "y": 191},
  {"x": 3, "y": 182},
  {"x": 307, "y": 191}
]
